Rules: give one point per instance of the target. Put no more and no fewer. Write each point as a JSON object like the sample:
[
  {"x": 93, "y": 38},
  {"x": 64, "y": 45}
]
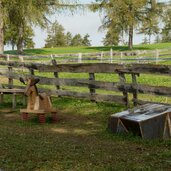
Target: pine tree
[
  {"x": 86, "y": 41},
  {"x": 125, "y": 14},
  {"x": 56, "y": 36},
  {"x": 68, "y": 38},
  {"x": 77, "y": 40}
]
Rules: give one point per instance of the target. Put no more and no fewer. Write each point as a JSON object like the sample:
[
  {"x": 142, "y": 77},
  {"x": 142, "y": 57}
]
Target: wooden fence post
[
  {"x": 56, "y": 75},
  {"x": 101, "y": 57},
  {"x": 21, "y": 58},
  {"x": 10, "y": 80},
  {"x": 157, "y": 56},
  {"x": 79, "y": 57},
  {"x": 91, "y": 87},
  {"x": 31, "y": 71},
  {"x": 111, "y": 55},
  {"x": 135, "y": 92},
  {"x": 8, "y": 58},
  {"x": 121, "y": 58},
  {"x": 125, "y": 93}
]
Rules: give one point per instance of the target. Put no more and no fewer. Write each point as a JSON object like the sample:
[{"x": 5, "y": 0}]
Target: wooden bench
[{"x": 14, "y": 93}]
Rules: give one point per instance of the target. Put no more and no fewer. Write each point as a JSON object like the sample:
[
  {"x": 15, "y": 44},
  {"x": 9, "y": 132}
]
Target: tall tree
[
  {"x": 11, "y": 36},
  {"x": 166, "y": 31},
  {"x": 86, "y": 40},
  {"x": 127, "y": 14},
  {"x": 24, "y": 12},
  {"x": 77, "y": 40},
  {"x": 56, "y": 36},
  {"x": 68, "y": 38}
]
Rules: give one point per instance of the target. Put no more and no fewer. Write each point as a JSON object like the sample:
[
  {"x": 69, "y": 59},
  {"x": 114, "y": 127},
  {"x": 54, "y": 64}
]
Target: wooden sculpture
[{"x": 39, "y": 104}]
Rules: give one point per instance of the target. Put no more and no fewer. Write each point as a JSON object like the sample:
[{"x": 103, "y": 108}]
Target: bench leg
[
  {"x": 42, "y": 118},
  {"x": 54, "y": 117},
  {"x": 24, "y": 116}
]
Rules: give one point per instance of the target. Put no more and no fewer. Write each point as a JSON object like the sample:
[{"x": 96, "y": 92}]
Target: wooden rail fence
[
  {"x": 143, "y": 56},
  {"x": 54, "y": 84}
]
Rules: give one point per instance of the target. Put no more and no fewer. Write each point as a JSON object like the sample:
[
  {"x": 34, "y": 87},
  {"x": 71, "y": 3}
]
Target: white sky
[{"x": 82, "y": 23}]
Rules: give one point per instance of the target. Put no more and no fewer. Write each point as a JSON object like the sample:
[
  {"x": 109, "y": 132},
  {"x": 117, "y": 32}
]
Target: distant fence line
[
  {"x": 143, "y": 56},
  {"x": 13, "y": 71}
]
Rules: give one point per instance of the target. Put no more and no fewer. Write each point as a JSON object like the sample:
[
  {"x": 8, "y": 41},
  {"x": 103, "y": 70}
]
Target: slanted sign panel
[{"x": 149, "y": 121}]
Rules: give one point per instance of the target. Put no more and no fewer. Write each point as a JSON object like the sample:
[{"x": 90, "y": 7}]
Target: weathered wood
[
  {"x": 112, "y": 86},
  {"x": 92, "y": 87},
  {"x": 149, "y": 121},
  {"x": 125, "y": 93},
  {"x": 56, "y": 75},
  {"x": 135, "y": 91},
  {"x": 31, "y": 70},
  {"x": 10, "y": 80},
  {"x": 108, "y": 68},
  {"x": 95, "y": 97}
]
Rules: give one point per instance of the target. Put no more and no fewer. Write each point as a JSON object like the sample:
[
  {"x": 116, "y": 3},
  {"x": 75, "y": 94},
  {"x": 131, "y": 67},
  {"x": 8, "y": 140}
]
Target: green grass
[
  {"x": 47, "y": 51},
  {"x": 78, "y": 142}
]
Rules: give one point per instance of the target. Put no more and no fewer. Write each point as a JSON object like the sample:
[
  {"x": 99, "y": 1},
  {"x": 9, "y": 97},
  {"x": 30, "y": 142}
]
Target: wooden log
[
  {"x": 108, "y": 68},
  {"x": 111, "y": 86}
]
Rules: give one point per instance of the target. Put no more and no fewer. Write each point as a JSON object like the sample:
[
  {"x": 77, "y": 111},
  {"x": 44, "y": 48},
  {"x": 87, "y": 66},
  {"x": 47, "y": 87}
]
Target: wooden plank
[
  {"x": 95, "y": 97},
  {"x": 111, "y": 86},
  {"x": 18, "y": 91},
  {"x": 32, "y": 111},
  {"x": 95, "y": 68},
  {"x": 108, "y": 68},
  {"x": 143, "y": 102}
]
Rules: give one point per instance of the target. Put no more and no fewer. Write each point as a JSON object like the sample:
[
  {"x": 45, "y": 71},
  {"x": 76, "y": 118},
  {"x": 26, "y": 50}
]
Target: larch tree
[
  {"x": 124, "y": 15},
  {"x": 22, "y": 13}
]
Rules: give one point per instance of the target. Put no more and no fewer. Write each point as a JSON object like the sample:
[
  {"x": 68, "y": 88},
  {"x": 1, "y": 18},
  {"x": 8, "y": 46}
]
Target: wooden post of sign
[
  {"x": 135, "y": 91},
  {"x": 91, "y": 87},
  {"x": 125, "y": 93}
]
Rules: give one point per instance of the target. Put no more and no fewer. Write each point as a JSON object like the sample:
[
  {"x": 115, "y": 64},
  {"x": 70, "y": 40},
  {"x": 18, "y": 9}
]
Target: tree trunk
[
  {"x": 13, "y": 46},
  {"x": 1, "y": 30},
  {"x": 20, "y": 40},
  {"x": 131, "y": 32},
  {"x": 149, "y": 38}
]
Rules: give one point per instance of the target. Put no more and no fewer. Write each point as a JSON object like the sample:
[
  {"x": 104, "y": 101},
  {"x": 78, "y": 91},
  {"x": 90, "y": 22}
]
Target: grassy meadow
[
  {"x": 79, "y": 141},
  {"x": 59, "y": 50}
]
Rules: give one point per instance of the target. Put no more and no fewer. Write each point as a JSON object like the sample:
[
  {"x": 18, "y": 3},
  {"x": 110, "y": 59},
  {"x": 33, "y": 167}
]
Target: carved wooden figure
[{"x": 39, "y": 104}]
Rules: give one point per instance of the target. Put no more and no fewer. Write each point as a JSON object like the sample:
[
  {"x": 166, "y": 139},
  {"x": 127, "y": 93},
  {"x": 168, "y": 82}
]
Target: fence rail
[
  {"x": 54, "y": 85},
  {"x": 143, "y": 56}
]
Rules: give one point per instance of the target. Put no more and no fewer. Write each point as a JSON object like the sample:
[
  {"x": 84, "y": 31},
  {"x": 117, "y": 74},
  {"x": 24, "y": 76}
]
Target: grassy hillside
[{"x": 46, "y": 51}]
